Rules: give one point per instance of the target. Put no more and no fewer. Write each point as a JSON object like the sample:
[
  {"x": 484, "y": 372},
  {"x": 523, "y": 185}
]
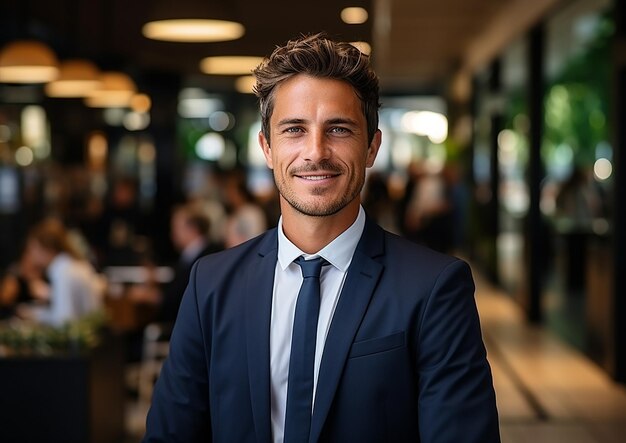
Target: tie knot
[{"x": 311, "y": 268}]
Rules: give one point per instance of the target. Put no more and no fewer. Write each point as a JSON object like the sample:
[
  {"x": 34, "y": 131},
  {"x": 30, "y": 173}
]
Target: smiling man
[
  {"x": 319, "y": 151},
  {"x": 327, "y": 328}
]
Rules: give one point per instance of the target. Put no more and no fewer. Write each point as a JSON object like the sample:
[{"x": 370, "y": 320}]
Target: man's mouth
[{"x": 316, "y": 177}]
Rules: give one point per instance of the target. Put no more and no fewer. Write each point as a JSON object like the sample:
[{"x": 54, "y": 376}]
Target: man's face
[{"x": 319, "y": 149}]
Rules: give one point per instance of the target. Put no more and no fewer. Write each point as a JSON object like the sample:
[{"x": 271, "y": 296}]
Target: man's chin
[{"x": 318, "y": 210}]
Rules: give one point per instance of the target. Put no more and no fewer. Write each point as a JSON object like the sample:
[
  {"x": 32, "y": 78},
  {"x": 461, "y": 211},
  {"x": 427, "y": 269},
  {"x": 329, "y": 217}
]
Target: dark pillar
[
  {"x": 534, "y": 223},
  {"x": 619, "y": 203},
  {"x": 163, "y": 88},
  {"x": 493, "y": 208}
]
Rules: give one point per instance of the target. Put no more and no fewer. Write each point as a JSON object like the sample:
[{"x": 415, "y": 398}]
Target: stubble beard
[{"x": 321, "y": 208}]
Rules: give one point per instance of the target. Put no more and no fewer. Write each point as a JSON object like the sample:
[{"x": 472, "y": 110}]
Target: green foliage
[
  {"x": 577, "y": 100},
  {"x": 26, "y": 338}
]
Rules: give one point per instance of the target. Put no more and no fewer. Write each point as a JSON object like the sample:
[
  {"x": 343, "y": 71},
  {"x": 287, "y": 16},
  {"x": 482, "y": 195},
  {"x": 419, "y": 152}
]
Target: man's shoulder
[
  {"x": 416, "y": 256},
  {"x": 260, "y": 244}
]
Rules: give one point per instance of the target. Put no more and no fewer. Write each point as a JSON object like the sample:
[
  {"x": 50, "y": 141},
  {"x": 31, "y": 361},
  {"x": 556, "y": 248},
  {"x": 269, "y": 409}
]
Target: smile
[{"x": 316, "y": 177}]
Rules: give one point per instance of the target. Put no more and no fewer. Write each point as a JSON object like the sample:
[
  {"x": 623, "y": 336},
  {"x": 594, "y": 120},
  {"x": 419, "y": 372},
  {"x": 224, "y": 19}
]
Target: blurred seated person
[
  {"x": 18, "y": 284},
  {"x": 190, "y": 236},
  {"x": 74, "y": 288}
]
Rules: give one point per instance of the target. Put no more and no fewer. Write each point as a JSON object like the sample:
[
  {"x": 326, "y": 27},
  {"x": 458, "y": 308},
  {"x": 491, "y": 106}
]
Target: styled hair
[{"x": 318, "y": 56}]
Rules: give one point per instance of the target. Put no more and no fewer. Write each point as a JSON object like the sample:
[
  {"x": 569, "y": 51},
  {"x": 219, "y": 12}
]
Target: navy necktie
[{"x": 302, "y": 359}]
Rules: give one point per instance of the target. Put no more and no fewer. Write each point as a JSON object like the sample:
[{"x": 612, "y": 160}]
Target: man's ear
[
  {"x": 267, "y": 151},
  {"x": 372, "y": 150}
]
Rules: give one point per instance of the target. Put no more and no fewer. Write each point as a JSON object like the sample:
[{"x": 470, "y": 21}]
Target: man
[
  {"x": 189, "y": 232},
  {"x": 190, "y": 235},
  {"x": 398, "y": 354}
]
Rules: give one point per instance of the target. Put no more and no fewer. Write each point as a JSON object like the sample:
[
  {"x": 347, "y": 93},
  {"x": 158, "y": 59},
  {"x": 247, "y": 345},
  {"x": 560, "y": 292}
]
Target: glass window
[{"x": 577, "y": 154}]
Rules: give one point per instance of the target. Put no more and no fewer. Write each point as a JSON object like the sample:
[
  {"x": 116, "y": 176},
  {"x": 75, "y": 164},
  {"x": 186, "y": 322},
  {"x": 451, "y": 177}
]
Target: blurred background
[{"x": 502, "y": 144}]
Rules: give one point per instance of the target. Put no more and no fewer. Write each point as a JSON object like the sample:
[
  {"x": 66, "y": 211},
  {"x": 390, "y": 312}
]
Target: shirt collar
[{"x": 338, "y": 253}]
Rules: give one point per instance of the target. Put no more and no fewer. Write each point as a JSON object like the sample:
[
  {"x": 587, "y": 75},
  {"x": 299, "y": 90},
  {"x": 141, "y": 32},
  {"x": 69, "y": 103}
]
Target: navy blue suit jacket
[{"x": 404, "y": 359}]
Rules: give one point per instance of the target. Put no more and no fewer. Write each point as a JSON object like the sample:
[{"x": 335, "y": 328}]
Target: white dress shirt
[
  {"x": 287, "y": 281},
  {"x": 75, "y": 290}
]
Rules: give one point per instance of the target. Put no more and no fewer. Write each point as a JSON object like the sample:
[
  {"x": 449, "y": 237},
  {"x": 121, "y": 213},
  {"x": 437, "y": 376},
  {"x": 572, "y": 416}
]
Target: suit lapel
[
  {"x": 363, "y": 275},
  {"x": 259, "y": 289}
]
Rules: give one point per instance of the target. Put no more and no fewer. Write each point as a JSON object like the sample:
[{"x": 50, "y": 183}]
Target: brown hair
[
  {"x": 52, "y": 235},
  {"x": 194, "y": 217},
  {"x": 318, "y": 56}
]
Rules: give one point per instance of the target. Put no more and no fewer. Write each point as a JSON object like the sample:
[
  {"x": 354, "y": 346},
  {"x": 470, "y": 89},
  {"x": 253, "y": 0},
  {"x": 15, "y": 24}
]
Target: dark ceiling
[{"x": 417, "y": 44}]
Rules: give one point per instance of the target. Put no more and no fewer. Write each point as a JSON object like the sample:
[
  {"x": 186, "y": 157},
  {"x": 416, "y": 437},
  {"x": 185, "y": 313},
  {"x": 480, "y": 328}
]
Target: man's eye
[
  {"x": 339, "y": 130},
  {"x": 293, "y": 130}
]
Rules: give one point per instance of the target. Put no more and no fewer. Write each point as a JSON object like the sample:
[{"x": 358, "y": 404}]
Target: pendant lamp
[
  {"x": 27, "y": 61},
  {"x": 230, "y": 64},
  {"x": 245, "y": 84},
  {"x": 116, "y": 91},
  {"x": 192, "y": 21},
  {"x": 77, "y": 78}
]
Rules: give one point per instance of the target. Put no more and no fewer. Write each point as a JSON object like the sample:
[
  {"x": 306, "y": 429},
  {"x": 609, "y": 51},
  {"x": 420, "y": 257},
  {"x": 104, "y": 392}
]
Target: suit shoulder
[
  {"x": 237, "y": 254},
  {"x": 418, "y": 256}
]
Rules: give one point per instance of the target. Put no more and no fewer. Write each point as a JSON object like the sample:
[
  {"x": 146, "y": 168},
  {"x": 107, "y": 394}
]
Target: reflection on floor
[{"x": 547, "y": 392}]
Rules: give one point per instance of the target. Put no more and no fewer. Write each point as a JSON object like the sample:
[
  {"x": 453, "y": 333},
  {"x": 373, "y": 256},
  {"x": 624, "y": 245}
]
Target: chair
[{"x": 155, "y": 348}]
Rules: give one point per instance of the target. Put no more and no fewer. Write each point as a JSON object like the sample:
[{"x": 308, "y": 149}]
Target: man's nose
[{"x": 317, "y": 147}]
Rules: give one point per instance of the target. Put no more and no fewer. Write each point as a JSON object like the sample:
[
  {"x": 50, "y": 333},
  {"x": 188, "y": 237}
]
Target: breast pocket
[{"x": 377, "y": 345}]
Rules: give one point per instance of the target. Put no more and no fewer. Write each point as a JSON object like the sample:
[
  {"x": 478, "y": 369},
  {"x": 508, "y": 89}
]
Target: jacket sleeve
[
  {"x": 456, "y": 395},
  {"x": 180, "y": 403}
]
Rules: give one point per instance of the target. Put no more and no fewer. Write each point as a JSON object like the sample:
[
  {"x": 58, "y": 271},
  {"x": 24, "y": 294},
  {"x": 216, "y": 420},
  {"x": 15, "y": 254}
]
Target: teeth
[{"x": 316, "y": 177}]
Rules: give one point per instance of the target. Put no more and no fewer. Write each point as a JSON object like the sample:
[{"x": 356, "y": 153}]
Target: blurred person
[
  {"x": 18, "y": 284},
  {"x": 427, "y": 209},
  {"x": 406, "y": 220},
  {"x": 246, "y": 218},
  {"x": 74, "y": 288},
  {"x": 378, "y": 203},
  {"x": 454, "y": 223},
  {"x": 382, "y": 341},
  {"x": 211, "y": 200},
  {"x": 190, "y": 227},
  {"x": 577, "y": 204},
  {"x": 118, "y": 236},
  {"x": 578, "y": 201}
]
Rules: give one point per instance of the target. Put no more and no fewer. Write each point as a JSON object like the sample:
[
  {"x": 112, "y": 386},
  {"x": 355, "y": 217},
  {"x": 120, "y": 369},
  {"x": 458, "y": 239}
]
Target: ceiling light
[
  {"x": 135, "y": 121},
  {"x": 354, "y": 15},
  {"x": 191, "y": 21},
  {"x": 140, "y": 103},
  {"x": 27, "y": 61},
  {"x": 116, "y": 91},
  {"x": 193, "y": 30},
  {"x": 245, "y": 84},
  {"x": 76, "y": 79},
  {"x": 229, "y": 65}
]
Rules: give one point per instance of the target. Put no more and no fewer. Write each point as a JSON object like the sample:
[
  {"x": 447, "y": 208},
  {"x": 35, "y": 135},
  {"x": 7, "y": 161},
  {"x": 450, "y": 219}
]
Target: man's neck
[{"x": 310, "y": 234}]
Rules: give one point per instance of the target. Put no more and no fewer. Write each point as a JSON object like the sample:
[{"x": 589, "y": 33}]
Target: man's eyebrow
[
  {"x": 332, "y": 121},
  {"x": 342, "y": 121},
  {"x": 291, "y": 121}
]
